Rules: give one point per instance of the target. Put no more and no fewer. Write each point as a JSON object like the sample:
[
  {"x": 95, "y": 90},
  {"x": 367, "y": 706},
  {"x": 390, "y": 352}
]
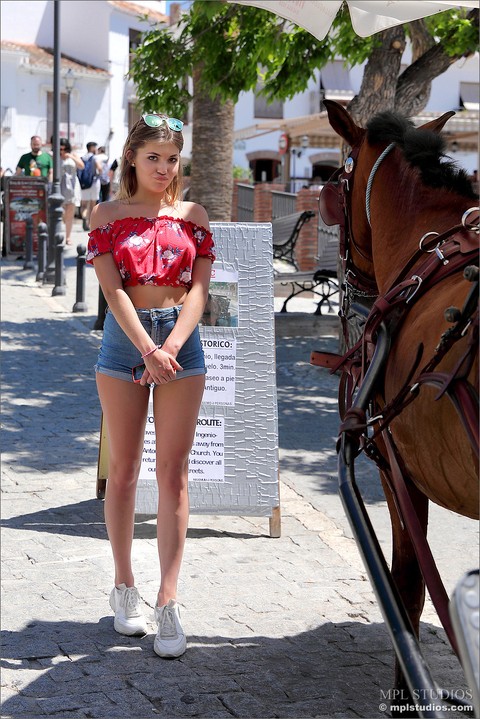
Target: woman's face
[{"x": 156, "y": 165}]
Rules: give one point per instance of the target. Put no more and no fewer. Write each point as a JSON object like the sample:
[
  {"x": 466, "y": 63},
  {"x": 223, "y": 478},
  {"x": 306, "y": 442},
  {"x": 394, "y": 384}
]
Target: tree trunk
[
  {"x": 379, "y": 83},
  {"x": 413, "y": 88},
  {"x": 211, "y": 182},
  {"x": 428, "y": 62}
]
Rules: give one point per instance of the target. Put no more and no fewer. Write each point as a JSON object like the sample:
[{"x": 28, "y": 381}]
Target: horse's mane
[{"x": 423, "y": 149}]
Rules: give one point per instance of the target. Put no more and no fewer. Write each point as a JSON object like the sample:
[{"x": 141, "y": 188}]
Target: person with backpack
[
  {"x": 102, "y": 157},
  {"x": 89, "y": 179}
]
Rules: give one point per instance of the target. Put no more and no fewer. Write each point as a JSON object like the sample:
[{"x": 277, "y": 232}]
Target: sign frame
[{"x": 23, "y": 197}]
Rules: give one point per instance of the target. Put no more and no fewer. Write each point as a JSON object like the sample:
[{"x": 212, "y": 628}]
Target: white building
[
  {"x": 97, "y": 37},
  {"x": 259, "y": 127}
]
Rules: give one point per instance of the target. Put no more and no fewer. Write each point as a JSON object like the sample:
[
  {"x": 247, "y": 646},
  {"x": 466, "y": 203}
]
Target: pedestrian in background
[
  {"x": 70, "y": 162},
  {"x": 102, "y": 158},
  {"x": 37, "y": 162},
  {"x": 152, "y": 254},
  {"x": 114, "y": 175},
  {"x": 91, "y": 185}
]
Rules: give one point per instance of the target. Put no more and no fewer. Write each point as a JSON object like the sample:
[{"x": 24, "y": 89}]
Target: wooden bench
[{"x": 321, "y": 281}]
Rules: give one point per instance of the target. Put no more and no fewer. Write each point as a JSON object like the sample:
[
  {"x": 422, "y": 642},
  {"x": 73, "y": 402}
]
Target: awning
[
  {"x": 335, "y": 82},
  {"x": 462, "y": 125},
  {"x": 295, "y": 127},
  {"x": 470, "y": 95}
]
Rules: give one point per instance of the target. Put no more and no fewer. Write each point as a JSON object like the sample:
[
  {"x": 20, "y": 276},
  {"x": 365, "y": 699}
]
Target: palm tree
[{"x": 212, "y": 161}]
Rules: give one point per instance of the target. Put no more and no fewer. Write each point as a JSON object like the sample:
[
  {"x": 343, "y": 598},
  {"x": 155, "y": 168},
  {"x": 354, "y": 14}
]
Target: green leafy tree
[{"x": 227, "y": 48}]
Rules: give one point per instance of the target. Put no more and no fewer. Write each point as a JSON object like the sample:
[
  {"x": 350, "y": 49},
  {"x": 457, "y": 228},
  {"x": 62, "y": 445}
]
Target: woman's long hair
[{"x": 138, "y": 136}]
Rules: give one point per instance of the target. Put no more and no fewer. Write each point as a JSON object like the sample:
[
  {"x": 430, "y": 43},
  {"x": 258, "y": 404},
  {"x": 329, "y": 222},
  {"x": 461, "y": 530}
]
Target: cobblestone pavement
[{"x": 282, "y": 628}]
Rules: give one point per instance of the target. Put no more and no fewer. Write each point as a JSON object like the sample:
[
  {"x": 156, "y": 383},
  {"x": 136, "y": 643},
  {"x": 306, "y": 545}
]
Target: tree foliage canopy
[{"x": 237, "y": 46}]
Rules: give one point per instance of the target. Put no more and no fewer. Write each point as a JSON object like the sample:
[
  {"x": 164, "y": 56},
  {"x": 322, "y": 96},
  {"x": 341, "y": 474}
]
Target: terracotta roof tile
[
  {"x": 43, "y": 57},
  {"x": 134, "y": 9}
]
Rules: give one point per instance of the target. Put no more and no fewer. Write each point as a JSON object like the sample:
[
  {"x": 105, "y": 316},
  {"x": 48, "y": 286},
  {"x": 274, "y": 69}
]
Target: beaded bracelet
[{"x": 150, "y": 352}]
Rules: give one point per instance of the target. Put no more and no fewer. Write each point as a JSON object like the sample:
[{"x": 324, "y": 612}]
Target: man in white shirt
[{"x": 90, "y": 195}]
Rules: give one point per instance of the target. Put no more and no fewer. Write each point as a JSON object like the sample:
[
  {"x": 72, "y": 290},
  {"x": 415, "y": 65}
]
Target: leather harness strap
[{"x": 420, "y": 545}]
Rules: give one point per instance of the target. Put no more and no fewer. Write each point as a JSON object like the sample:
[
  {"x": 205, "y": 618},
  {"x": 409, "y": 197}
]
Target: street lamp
[
  {"x": 297, "y": 152},
  {"x": 69, "y": 83}
]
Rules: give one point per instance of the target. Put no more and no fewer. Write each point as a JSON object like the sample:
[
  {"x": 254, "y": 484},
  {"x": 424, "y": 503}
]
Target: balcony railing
[
  {"x": 245, "y": 203},
  {"x": 283, "y": 203}
]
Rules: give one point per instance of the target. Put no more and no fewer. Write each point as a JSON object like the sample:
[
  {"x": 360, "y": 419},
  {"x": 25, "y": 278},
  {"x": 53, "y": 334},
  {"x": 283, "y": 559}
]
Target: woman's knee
[
  {"x": 172, "y": 476},
  {"x": 124, "y": 472}
]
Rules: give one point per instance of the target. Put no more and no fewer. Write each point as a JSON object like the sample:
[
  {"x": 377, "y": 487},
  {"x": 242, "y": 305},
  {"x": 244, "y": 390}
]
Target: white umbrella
[{"x": 368, "y": 16}]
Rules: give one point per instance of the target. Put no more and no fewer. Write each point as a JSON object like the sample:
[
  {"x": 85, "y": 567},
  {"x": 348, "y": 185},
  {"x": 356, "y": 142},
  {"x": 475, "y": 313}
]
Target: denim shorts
[{"x": 118, "y": 355}]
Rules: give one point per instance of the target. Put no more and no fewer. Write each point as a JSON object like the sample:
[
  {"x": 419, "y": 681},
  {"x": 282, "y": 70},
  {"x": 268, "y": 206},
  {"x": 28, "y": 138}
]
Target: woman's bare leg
[
  {"x": 125, "y": 407},
  {"x": 68, "y": 212},
  {"x": 176, "y": 407}
]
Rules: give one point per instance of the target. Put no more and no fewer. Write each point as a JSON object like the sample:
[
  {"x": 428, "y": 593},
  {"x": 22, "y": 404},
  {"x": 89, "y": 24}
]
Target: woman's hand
[{"x": 160, "y": 368}]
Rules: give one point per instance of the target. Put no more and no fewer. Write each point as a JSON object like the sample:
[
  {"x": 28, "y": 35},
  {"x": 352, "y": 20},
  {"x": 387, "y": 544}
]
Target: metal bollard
[
  {"x": 28, "y": 264},
  {"x": 55, "y": 227},
  {"x": 42, "y": 250},
  {"x": 59, "y": 288},
  {"x": 102, "y": 308},
  {"x": 80, "y": 304}
]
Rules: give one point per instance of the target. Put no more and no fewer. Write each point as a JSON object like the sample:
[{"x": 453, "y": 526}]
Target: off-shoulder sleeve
[
  {"x": 204, "y": 242},
  {"x": 100, "y": 242}
]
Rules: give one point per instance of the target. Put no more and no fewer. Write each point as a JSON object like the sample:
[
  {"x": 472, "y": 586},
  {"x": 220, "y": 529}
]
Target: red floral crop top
[{"x": 152, "y": 250}]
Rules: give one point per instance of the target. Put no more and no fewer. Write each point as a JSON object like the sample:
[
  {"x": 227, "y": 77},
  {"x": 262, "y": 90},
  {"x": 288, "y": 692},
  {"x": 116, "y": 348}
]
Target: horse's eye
[{"x": 349, "y": 164}]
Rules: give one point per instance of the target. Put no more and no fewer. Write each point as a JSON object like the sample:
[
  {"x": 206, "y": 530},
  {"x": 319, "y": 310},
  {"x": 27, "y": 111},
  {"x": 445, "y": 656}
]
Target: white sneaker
[
  {"x": 125, "y": 602},
  {"x": 170, "y": 640}
]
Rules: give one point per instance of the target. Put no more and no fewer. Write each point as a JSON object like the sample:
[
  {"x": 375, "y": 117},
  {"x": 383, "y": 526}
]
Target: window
[
  {"x": 134, "y": 40},
  {"x": 63, "y": 112},
  {"x": 133, "y": 115},
  {"x": 273, "y": 110},
  {"x": 469, "y": 95},
  {"x": 6, "y": 120}
]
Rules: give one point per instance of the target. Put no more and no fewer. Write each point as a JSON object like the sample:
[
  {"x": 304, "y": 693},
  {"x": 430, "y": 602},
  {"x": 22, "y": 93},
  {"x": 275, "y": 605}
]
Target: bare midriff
[{"x": 149, "y": 296}]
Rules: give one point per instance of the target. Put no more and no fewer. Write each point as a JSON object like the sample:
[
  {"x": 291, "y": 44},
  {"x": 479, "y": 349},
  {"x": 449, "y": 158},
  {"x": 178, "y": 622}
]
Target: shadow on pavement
[
  {"x": 86, "y": 669},
  {"x": 308, "y": 419},
  {"x": 85, "y": 519},
  {"x": 50, "y": 402}
]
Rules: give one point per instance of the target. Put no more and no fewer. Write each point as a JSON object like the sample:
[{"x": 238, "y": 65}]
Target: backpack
[{"x": 88, "y": 174}]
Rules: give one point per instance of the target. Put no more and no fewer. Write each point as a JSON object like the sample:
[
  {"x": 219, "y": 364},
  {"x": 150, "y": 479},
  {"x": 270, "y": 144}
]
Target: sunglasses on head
[{"x": 153, "y": 120}]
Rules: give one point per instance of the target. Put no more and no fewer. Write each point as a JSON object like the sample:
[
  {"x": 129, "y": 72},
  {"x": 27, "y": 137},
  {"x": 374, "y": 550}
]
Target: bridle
[{"x": 335, "y": 208}]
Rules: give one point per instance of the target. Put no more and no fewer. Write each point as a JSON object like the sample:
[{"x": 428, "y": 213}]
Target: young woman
[{"x": 152, "y": 254}]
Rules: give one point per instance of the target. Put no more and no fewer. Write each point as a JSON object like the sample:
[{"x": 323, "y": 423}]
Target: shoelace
[
  {"x": 132, "y": 602},
  {"x": 168, "y": 628}
]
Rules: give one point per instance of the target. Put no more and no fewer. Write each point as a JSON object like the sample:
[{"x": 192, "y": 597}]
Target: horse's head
[
  {"x": 339, "y": 205},
  {"x": 348, "y": 197}
]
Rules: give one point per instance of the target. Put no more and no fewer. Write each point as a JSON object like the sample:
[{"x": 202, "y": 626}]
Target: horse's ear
[
  {"x": 342, "y": 123},
  {"x": 438, "y": 124}
]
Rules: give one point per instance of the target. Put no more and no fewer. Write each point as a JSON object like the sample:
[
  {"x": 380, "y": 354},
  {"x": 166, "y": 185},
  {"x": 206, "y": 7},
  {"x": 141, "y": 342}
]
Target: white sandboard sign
[{"x": 233, "y": 467}]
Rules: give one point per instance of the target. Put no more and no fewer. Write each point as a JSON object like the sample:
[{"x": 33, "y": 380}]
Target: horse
[{"x": 409, "y": 230}]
